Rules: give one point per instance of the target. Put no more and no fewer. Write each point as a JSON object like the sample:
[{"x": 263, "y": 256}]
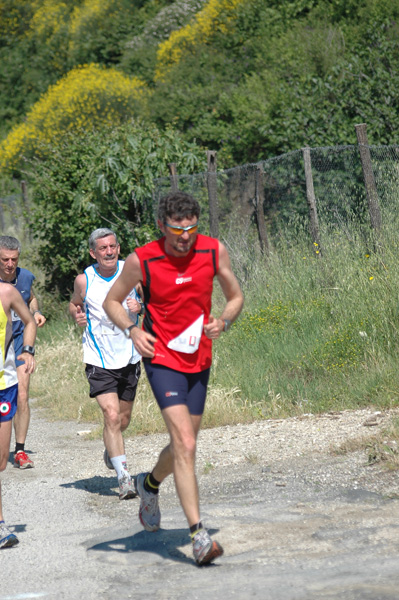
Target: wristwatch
[
  {"x": 29, "y": 349},
  {"x": 128, "y": 330},
  {"x": 227, "y": 324}
]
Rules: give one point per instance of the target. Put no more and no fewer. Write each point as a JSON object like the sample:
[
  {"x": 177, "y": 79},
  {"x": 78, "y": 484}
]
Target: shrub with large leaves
[{"x": 100, "y": 179}]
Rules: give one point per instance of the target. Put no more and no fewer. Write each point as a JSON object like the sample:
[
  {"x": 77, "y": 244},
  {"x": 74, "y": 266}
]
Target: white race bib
[
  {"x": 14, "y": 316},
  {"x": 188, "y": 341}
]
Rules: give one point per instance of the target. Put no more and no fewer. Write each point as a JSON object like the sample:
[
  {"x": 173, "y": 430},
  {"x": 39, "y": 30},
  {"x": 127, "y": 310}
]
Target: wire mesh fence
[
  {"x": 342, "y": 199},
  {"x": 342, "y": 190}
]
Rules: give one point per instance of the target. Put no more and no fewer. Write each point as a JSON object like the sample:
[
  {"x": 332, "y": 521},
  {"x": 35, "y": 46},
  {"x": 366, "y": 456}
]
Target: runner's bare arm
[
  {"x": 33, "y": 305},
  {"x": 232, "y": 292},
  {"x": 129, "y": 278},
  {"x": 133, "y": 305},
  {"x": 18, "y": 305},
  {"x": 76, "y": 302}
]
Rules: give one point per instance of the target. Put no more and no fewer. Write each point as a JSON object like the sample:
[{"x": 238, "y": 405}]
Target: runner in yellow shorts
[{"x": 11, "y": 300}]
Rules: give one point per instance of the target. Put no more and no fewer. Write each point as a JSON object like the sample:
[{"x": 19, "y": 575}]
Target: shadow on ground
[
  {"x": 103, "y": 486},
  {"x": 165, "y": 543}
]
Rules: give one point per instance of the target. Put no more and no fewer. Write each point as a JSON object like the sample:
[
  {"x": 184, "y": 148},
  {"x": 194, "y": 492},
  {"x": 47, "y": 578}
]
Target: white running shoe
[
  {"x": 126, "y": 488},
  {"x": 205, "y": 550},
  {"x": 149, "y": 513}
]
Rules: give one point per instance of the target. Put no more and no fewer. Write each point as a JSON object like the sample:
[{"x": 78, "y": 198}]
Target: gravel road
[{"x": 297, "y": 522}]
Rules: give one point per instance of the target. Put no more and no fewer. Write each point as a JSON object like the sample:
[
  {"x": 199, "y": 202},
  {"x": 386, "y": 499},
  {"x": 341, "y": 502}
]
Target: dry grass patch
[
  {"x": 61, "y": 387},
  {"x": 380, "y": 447},
  {"x": 226, "y": 407},
  {"x": 59, "y": 382}
]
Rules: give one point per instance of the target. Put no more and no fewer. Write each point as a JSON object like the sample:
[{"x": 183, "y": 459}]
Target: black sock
[
  {"x": 195, "y": 528},
  {"x": 19, "y": 447},
  {"x": 151, "y": 484}
]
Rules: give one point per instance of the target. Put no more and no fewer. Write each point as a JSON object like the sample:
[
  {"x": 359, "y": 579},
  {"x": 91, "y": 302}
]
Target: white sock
[{"x": 120, "y": 466}]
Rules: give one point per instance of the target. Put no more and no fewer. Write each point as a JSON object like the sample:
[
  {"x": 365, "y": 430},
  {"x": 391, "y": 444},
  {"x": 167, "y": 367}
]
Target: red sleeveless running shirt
[{"x": 178, "y": 297}]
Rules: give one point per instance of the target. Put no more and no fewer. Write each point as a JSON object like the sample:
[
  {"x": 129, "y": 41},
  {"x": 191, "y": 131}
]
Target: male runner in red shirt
[{"x": 177, "y": 275}]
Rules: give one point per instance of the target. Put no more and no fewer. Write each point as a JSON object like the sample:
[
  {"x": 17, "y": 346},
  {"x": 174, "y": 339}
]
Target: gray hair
[
  {"x": 10, "y": 243},
  {"x": 97, "y": 234}
]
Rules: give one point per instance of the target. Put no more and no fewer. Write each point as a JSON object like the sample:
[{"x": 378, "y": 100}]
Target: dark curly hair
[{"x": 179, "y": 206}]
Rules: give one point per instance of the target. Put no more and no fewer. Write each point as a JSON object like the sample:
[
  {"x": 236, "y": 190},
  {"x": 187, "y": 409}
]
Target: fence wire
[
  {"x": 341, "y": 197},
  {"x": 339, "y": 187}
]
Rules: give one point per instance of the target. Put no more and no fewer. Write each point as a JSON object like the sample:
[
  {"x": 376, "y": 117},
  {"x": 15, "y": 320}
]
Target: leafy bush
[
  {"x": 99, "y": 179},
  {"x": 249, "y": 78},
  {"x": 153, "y": 25},
  {"x": 97, "y": 31},
  {"x": 41, "y": 40},
  {"x": 286, "y": 75},
  {"x": 87, "y": 97},
  {"x": 214, "y": 16},
  {"x": 33, "y": 53}
]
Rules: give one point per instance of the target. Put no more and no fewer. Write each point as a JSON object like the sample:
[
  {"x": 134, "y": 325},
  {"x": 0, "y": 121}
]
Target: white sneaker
[
  {"x": 205, "y": 550},
  {"x": 149, "y": 513},
  {"x": 126, "y": 488}
]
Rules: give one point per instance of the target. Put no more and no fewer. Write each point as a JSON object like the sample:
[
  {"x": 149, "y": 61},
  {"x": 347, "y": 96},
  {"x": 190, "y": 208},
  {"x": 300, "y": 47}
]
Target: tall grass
[
  {"x": 319, "y": 332},
  {"x": 59, "y": 385}
]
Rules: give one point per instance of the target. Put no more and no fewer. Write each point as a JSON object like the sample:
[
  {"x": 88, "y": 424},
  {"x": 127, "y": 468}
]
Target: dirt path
[{"x": 296, "y": 522}]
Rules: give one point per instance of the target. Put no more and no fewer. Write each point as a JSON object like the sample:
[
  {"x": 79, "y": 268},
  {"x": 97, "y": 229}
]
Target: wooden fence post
[
  {"x": 212, "y": 194},
  {"x": 2, "y": 221},
  {"x": 24, "y": 190},
  {"x": 311, "y": 199},
  {"x": 260, "y": 216},
  {"x": 25, "y": 201},
  {"x": 369, "y": 180},
  {"x": 173, "y": 177}
]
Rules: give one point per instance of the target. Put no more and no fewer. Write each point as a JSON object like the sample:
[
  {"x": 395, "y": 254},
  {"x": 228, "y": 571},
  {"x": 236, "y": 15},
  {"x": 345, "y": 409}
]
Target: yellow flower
[
  {"x": 213, "y": 17},
  {"x": 86, "y": 96},
  {"x": 371, "y": 278}
]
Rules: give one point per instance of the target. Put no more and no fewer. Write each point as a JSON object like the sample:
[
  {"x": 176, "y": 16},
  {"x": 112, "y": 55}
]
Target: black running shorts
[{"x": 120, "y": 381}]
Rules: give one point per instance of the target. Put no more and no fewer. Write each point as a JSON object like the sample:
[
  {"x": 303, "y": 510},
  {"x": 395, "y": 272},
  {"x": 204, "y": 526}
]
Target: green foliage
[
  {"x": 257, "y": 79},
  {"x": 321, "y": 333},
  {"x": 33, "y": 54},
  {"x": 41, "y": 40},
  {"x": 98, "y": 29},
  {"x": 99, "y": 179},
  {"x": 153, "y": 23},
  {"x": 87, "y": 97},
  {"x": 286, "y": 77}
]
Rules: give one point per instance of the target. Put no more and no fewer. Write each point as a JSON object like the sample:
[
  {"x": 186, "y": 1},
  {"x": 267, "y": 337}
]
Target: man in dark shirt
[{"x": 22, "y": 279}]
